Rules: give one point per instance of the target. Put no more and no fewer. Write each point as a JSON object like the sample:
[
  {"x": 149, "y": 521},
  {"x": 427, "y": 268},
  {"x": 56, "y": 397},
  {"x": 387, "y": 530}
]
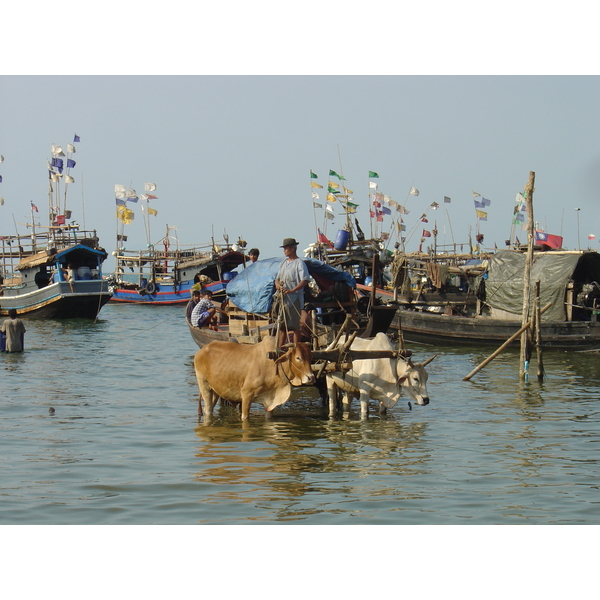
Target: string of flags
[{"x": 124, "y": 194}]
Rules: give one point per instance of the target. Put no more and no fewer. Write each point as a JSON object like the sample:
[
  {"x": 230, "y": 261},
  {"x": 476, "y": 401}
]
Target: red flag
[
  {"x": 426, "y": 233},
  {"x": 151, "y": 197},
  {"x": 323, "y": 239}
]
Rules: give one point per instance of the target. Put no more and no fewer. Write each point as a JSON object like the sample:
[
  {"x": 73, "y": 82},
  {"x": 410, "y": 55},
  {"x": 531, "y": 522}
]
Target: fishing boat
[
  {"x": 569, "y": 291},
  {"x": 162, "y": 275},
  {"x": 54, "y": 271},
  {"x": 250, "y": 314},
  {"x": 165, "y": 272}
]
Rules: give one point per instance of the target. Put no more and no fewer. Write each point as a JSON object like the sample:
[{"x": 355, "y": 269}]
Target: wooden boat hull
[
  {"x": 59, "y": 300},
  {"x": 431, "y": 328}
]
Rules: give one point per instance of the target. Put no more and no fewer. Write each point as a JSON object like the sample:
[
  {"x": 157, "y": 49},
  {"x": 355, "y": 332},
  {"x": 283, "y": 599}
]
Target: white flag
[
  {"x": 144, "y": 197},
  {"x": 1, "y": 158},
  {"x": 149, "y": 187},
  {"x": 119, "y": 188},
  {"x": 120, "y": 195},
  {"x": 69, "y": 179},
  {"x": 315, "y": 196},
  {"x": 1, "y": 201},
  {"x": 414, "y": 191},
  {"x": 329, "y": 215},
  {"x": 372, "y": 185},
  {"x": 70, "y": 148},
  {"x": 317, "y": 205},
  {"x": 57, "y": 150},
  {"x": 329, "y": 209}
]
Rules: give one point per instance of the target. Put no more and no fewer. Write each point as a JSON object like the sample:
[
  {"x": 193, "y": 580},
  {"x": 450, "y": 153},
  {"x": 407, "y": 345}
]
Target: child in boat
[{"x": 204, "y": 313}]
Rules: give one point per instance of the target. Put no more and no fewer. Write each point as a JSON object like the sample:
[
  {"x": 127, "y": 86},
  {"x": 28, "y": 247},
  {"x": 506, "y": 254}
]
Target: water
[{"x": 124, "y": 444}]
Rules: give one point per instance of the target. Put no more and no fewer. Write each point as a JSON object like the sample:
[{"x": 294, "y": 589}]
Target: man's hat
[{"x": 289, "y": 242}]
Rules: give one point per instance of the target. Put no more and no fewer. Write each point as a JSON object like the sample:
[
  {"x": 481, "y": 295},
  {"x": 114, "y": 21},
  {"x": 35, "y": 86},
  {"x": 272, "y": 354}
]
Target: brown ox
[{"x": 244, "y": 373}]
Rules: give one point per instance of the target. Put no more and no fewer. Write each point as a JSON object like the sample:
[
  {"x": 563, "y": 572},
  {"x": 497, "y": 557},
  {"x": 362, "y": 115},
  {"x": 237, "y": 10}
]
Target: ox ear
[
  {"x": 284, "y": 357},
  {"x": 429, "y": 360}
]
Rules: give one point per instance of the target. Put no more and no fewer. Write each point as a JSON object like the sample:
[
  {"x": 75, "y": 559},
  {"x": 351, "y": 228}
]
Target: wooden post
[
  {"x": 511, "y": 339},
  {"x": 538, "y": 332},
  {"x": 526, "y": 335}
]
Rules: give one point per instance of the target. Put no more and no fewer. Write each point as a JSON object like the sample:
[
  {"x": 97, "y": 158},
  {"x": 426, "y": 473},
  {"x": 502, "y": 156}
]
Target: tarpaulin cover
[
  {"x": 554, "y": 270},
  {"x": 252, "y": 290}
]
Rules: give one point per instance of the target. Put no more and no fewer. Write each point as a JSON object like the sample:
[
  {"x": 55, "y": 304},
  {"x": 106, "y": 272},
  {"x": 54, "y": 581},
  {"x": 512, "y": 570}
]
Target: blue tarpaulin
[{"x": 252, "y": 290}]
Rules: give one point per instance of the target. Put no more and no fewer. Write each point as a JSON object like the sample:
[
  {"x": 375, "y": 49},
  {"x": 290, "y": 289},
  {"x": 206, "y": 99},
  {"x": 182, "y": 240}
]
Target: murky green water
[{"x": 124, "y": 445}]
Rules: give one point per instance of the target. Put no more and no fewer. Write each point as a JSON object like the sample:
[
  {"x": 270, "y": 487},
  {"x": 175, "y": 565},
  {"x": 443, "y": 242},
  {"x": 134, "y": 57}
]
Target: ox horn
[{"x": 429, "y": 360}]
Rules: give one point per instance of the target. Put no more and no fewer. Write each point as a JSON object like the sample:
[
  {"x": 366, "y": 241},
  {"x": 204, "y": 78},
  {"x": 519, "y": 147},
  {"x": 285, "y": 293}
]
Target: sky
[
  {"x": 227, "y": 107},
  {"x": 232, "y": 155}
]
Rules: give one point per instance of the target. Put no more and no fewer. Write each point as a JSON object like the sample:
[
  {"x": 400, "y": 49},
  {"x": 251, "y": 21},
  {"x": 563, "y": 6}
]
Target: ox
[
  {"x": 244, "y": 373},
  {"x": 382, "y": 379}
]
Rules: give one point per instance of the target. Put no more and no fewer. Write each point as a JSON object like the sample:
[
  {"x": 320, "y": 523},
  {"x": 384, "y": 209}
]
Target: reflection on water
[{"x": 125, "y": 445}]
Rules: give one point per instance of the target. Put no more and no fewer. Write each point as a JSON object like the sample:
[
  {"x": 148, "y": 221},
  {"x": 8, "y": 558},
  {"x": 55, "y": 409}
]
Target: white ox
[
  {"x": 382, "y": 379},
  {"x": 243, "y": 373}
]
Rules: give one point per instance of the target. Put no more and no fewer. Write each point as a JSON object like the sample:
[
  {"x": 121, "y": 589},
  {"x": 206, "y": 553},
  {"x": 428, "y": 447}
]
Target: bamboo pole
[
  {"x": 526, "y": 335},
  {"x": 538, "y": 333},
  {"x": 511, "y": 339}
]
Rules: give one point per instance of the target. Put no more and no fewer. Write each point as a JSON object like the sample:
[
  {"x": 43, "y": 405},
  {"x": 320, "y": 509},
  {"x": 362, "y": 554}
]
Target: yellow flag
[
  {"x": 331, "y": 198},
  {"x": 348, "y": 191},
  {"x": 316, "y": 185},
  {"x": 333, "y": 185},
  {"x": 152, "y": 211}
]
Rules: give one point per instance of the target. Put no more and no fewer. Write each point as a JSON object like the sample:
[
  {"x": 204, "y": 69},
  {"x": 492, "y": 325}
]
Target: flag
[
  {"x": 591, "y": 236},
  {"x": 435, "y": 205},
  {"x": 520, "y": 217},
  {"x": 58, "y": 163},
  {"x": 315, "y": 196},
  {"x": 34, "y": 207},
  {"x": 313, "y": 175},
  {"x": 376, "y": 203},
  {"x": 121, "y": 238},
  {"x": 120, "y": 188},
  {"x": 322, "y": 238},
  {"x": 424, "y": 220},
  {"x": 332, "y": 190},
  {"x": 0, "y": 178},
  {"x": 426, "y": 233},
  {"x": 479, "y": 204},
  {"x": 317, "y": 205},
  {"x": 69, "y": 179},
  {"x": 76, "y": 138},
  {"x": 70, "y": 163},
  {"x": 328, "y": 209},
  {"x": 132, "y": 196},
  {"x": 60, "y": 220},
  {"x": 554, "y": 241},
  {"x": 57, "y": 150},
  {"x": 149, "y": 187},
  {"x": 413, "y": 191},
  {"x": 119, "y": 201},
  {"x": 402, "y": 210},
  {"x": 447, "y": 200},
  {"x": 1, "y": 201},
  {"x": 316, "y": 185},
  {"x": 485, "y": 201},
  {"x": 70, "y": 148},
  {"x": 151, "y": 197},
  {"x": 373, "y": 174},
  {"x": 372, "y": 185},
  {"x": 54, "y": 176},
  {"x": 348, "y": 191},
  {"x": 333, "y": 185},
  {"x": 331, "y": 198},
  {"x": 152, "y": 211},
  {"x": 481, "y": 215},
  {"x": 401, "y": 227},
  {"x": 329, "y": 215},
  {"x": 475, "y": 194},
  {"x": 386, "y": 210},
  {"x": 1, "y": 158},
  {"x": 379, "y": 215},
  {"x": 334, "y": 174}
]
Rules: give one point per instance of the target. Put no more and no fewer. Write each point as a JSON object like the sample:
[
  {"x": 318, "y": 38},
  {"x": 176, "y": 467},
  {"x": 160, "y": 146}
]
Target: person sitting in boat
[
  {"x": 253, "y": 253},
  {"x": 204, "y": 313},
  {"x": 192, "y": 304}
]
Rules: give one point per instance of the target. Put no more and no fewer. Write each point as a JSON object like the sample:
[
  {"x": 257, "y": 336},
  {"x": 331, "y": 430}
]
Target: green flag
[
  {"x": 313, "y": 175},
  {"x": 373, "y": 174},
  {"x": 335, "y": 174}
]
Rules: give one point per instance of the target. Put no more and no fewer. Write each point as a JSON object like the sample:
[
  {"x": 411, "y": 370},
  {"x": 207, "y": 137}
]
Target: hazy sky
[{"x": 234, "y": 153}]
